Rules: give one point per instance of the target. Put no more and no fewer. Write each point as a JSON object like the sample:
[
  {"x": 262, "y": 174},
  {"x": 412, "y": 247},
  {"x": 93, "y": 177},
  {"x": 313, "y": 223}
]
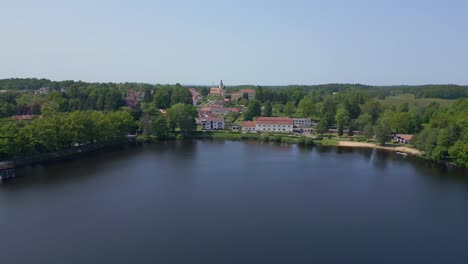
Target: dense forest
[{"x": 72, "y": 113}]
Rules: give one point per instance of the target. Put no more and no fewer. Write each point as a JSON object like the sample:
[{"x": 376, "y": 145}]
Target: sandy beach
[{"x": 408, "y": 150}]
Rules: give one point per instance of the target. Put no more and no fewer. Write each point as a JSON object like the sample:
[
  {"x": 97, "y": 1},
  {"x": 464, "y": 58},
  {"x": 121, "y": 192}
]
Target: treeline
[
  {"x": 445, "y": 134},
  {"x": 432, "y": 91},
  {"x": 286, "y": 93},
  {"x": 62, "y": 131},
  {"x": 34, "y": 84},
  {"x": 79, "y": 96},
  {"x": 74, "y": 99},
  {"x": 441, "y": 132},
  {"x": 178, "y": 118}
]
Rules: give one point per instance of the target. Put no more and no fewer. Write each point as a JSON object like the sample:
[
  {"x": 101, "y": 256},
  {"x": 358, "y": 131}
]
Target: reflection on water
[{"x": 235, "y": 202}]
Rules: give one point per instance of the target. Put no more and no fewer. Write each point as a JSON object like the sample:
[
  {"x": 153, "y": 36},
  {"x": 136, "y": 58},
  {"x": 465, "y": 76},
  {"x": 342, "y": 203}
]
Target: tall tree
[
  {"x": 342, "y": 120},
  {"x": 289, "y": 109},
  {"x": 267, "y": 109},
  {"x": 182, "y": 116},
  {"x": 306, "y": 107},
  {"x": 254, "y": 109}
]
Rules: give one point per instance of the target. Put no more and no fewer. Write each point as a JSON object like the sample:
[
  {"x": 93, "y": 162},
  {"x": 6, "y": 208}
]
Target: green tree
[
  {"x": 254, "y": 109},
  {"x": 363, "y": 120},
  {"x": 180, "y": 95},
  {"x": 159, "y": 126},
  {"x": 267, "y": 109},
  {"x": 342, "y": 120},
  {"x": 306, "y": 107},
  {"x": 459, "y": 153},
  {"x": 289, "y": 109},
  {"x": 382, "y": 130},
  {"x": 322, "y": 127},
  {"x": 162, "y": 98},
  {"x": 182, "y": 116}
]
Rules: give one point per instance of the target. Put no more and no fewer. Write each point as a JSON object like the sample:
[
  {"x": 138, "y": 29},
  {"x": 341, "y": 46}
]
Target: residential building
[
  {"x": 274, "y": 124},
  {"x": 302, "y": 122},
  {"x": 212, "y": 123},
  {"x": 403, "y": 138},
  {"x": 43, "y": 90},
  {"x": 250, "y": 94},
  {"x": 248, "y": 126},
  {"x": 233, "y": 110}
]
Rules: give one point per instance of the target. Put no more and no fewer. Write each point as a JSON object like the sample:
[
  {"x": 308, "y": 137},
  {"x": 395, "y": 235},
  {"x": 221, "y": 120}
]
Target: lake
[{"x": 235, "y": 202}]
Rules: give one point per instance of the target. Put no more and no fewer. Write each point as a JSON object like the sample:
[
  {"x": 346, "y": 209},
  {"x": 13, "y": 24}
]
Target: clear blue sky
[{"x": 239, "y": 41}]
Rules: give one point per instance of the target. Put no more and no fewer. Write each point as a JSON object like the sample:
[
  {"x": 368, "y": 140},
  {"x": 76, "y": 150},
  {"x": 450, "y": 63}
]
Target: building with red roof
[
  {"x": 274, "y": 124},
  {"x": 248, "y": 126}
]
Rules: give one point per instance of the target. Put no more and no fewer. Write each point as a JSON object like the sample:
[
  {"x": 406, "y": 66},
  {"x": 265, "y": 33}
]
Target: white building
[
  {"x": 248, "y": 126},
  {"x": 301, "y": 122},
  {"x": 274, "y": 124},
  {"x": 212, "y": 123}
]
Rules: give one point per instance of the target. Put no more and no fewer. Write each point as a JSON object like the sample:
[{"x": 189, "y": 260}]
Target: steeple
[{"x": 221, "y": 85}]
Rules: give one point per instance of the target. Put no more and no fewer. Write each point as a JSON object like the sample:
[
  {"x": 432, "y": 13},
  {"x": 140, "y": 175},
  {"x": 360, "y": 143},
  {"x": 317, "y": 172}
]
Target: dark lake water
[{"x": 235, "y": 202}]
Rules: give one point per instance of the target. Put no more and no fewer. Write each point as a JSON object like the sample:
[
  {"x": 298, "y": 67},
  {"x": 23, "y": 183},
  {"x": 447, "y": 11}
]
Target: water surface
[{"x": 235, "y": 202}]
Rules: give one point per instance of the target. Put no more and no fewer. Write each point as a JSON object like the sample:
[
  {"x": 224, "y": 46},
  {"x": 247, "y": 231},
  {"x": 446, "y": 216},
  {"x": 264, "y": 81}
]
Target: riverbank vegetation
[
  {"x": 55, "y": 132},
  {"x": 68, "y": 113}
]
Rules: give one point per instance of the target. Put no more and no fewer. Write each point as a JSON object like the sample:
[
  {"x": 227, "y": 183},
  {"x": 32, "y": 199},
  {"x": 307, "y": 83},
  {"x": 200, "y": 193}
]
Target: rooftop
[
  {"x": 406, "y": 137},
  {"x": 248, "y": 124},
  {"x": 274, "y": 120}
]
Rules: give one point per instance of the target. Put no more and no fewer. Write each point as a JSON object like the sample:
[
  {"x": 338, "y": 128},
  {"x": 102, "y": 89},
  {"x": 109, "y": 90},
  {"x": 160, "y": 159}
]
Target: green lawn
[{"x": 409, "y": 98}]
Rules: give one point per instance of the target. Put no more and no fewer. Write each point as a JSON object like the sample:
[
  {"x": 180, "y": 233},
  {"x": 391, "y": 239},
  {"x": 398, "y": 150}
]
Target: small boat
[{"x": 401, "y": 153}]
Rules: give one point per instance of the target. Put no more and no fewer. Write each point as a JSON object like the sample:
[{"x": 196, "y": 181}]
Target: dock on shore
[{"x": 7, "y": 170}]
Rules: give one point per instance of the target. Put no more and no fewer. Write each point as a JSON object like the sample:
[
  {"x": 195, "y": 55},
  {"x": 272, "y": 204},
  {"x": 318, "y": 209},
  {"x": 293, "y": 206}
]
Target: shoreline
[
  {"x": 82, "y": 150},
  {"x": 354, "y": 144}
]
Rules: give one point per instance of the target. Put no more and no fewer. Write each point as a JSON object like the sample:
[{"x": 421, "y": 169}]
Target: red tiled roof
[
  {"x": 274, "y": 120},
  {"x": 248, "y": 124},
  {"x": 235, "y": 110},
  {"x": 247, "y": 91},
  {"x": 406, "y": 137}
]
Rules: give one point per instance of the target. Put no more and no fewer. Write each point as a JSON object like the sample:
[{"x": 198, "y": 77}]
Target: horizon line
[{"x": 266, "y": 85}]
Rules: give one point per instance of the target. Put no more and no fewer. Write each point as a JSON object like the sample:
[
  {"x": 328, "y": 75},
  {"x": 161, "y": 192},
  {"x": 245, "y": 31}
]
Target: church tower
[{"x": 221, "y": 85}]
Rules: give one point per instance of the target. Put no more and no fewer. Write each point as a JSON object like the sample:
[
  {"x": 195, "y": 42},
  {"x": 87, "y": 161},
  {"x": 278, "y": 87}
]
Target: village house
[
  {"x": 237, "y": 95},
  {"x": 133, "y": 99},
  {"x": 403, "y": 138},
  {"x": 43, "y": 90},
  {"x": 248, "y": 126},
  {"x": 212, "y": 123},
  {"x": 233, "y": 110},
  {"x": 274, "y": 124}
]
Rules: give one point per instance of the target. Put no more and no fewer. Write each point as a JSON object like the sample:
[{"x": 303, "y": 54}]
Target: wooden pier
[{"x": 7, "y": 170}]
